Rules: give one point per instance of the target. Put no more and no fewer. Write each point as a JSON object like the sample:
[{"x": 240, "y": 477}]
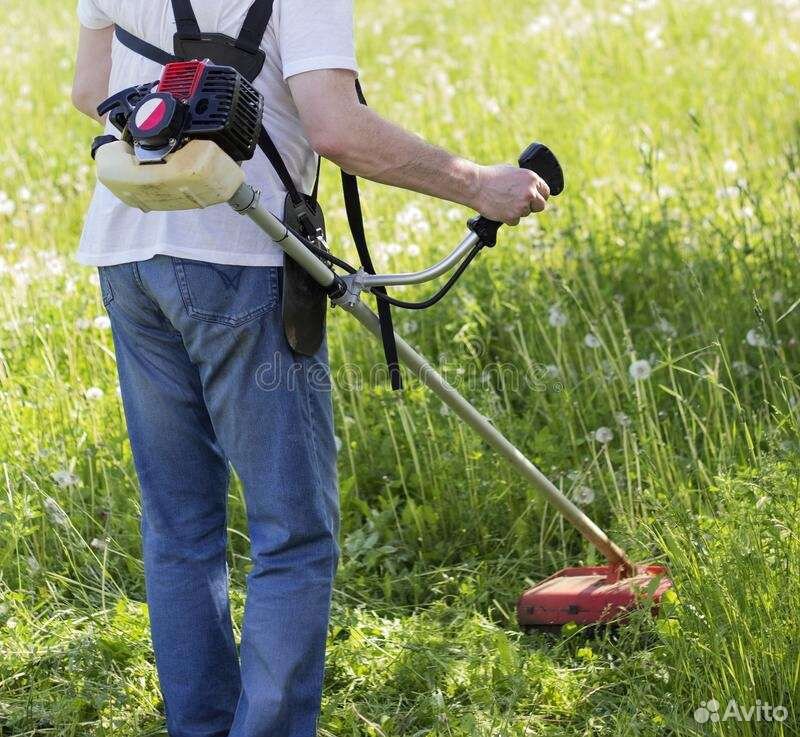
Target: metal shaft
[
  {"x": 245, "y": 201},
  {"x": 445, "y": 391}
]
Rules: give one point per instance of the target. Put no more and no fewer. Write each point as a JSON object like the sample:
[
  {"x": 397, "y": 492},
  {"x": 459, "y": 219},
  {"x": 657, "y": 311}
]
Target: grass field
[{"x": 675, "y": 244}]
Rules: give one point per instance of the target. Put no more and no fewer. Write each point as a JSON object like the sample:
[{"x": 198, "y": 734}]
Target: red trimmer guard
[{"x": 591, "y": 595}]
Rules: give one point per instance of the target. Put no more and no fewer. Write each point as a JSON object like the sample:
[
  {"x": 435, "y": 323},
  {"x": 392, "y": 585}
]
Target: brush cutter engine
[{"x": 192, "y": 100}]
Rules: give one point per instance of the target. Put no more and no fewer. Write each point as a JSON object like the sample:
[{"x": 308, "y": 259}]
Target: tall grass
[{"x": 675, "y": 244}]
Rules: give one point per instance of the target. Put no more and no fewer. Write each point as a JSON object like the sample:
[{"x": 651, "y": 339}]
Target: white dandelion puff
[
  {"x": 556, "y": 317},
  {"x": 65, "y": 479},
  {"x": 730, "y": 167},
  {"x": 412, "y": 217},
  {"x": 99, "y": 544},
  {"x": 590, "y": 340},
  {"x": 748, "y": 16},
  {"x": 338, "y": 441},
  {"x": 102, "y": 322},
  {"x": 640, "y": 370},
  {"x": 604, "y": 435},
  {"x": 57, "y": 515},
  {"x": 666, "y": 328},
  {"x": 392, "y": 248},
  {"x": 584, "y": 495},
  {"x": 93, "y": 393},
  {"x": 622, "y": 419},
  {"x": 755, "y": 339},
  {"x": 552, "y": 371}
]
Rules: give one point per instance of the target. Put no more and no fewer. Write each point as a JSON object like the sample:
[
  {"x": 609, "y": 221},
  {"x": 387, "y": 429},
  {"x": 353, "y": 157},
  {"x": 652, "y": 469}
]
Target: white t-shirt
[{"x": 303, "y": 35}]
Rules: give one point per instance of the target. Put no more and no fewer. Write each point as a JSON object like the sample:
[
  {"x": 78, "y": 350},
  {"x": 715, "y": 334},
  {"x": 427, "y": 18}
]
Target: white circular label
[{"x": 150, "y": 114}]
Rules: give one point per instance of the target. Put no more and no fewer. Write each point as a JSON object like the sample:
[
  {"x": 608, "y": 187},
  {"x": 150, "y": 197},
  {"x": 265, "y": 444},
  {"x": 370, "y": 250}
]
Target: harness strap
[
  {"x": 147, "y": 50},
  {"x": 255, "y": 25},
  {"x": 185, "y": 19},
  {"x": 266, "y": 144},
  {"x": 355, "y": 219}
]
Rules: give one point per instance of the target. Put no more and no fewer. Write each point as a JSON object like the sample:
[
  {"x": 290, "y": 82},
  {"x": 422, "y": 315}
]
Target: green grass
[{"x": 675, "y": 242}]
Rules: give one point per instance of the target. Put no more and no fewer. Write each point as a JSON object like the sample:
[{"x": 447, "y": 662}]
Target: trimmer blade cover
[{"x": 592, "y": 595}]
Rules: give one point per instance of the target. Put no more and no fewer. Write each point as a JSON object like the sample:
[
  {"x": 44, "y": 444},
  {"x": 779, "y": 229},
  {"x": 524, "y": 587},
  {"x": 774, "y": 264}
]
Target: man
[{"x": 208, "y": 378}]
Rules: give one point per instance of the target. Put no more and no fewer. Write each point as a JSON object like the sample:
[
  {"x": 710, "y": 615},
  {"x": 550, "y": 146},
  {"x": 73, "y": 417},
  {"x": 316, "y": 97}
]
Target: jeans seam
[
  {"x": 315, "y": 452},
  {"x": 107, "y": 294}
]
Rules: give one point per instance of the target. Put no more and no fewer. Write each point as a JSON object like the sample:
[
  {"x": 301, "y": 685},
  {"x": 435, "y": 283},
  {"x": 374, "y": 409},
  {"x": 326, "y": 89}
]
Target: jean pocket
[
  {"x": 106, "y": 290},
  {"x": 230, "y": 295}
]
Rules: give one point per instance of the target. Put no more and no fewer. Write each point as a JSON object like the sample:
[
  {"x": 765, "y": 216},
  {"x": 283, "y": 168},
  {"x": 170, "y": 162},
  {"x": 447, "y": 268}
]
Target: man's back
[{"x": 298, "y": 39}]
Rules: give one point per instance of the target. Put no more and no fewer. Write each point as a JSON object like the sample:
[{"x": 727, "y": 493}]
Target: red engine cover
[
  {"x": 591, "y": 595},
  {"x": 181, "y": 78}
]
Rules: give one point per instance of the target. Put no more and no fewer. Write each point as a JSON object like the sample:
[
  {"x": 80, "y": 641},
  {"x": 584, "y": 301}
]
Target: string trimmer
[{"x": 181, "y": 140}]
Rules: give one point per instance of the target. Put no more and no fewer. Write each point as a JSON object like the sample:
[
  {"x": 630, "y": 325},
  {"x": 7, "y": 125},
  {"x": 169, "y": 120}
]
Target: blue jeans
[{"x": 208, "y": 380}]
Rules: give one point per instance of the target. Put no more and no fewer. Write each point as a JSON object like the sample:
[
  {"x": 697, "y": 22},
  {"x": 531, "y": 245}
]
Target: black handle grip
[
  {"x": 539, "y": 159},
  {"x": 101, "y": 141}
]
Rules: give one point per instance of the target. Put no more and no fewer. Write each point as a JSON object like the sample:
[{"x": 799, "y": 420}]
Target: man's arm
[
  {"x": 362, "y": 143},
  {"x": 92, "y": 70}
]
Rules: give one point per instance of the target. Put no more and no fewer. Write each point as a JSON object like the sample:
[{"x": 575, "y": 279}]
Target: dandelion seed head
[
  {"x": 57, "y": 515},
  {"x": 65, "y": 478},
  {"x": 556, "y": 317},
  {"x": 590, "y": 340},
  {"x": 604, "y": 435},
  {"x": 666, "y": 328},
  {"x": 622, "y": 419},
  {"x": 93, "y": 393},
  {"x": 755, "y": 339},
  {"x": 584, "y": 495},
  {"x": 640, "y": 370},
  {"x": 730, "y": 167}
]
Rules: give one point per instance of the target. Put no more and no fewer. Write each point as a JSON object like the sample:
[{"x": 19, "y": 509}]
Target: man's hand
[
  {"x": 362, "y": 143},
  {"x": 508, "y": 193},
  {"x": 92, "y": 70}
]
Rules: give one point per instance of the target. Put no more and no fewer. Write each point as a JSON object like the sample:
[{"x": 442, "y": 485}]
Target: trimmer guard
[
  {"x": 591, "y": 595},
  {"x": 200, "y": 174}
]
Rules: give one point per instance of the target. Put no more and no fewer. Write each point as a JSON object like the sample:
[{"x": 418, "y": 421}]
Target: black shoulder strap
[
  {"x": 355, "y": 219},
  {"x": 148, "y": 51},
  {"x": 255, "y": 25},
  {"x": 185, "y": 19},
  {"x": 266, "y": 144},
  {"x": 253, "y": 29}
]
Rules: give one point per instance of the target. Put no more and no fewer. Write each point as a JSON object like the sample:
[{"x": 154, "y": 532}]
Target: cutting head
[{"x": 592, "y": 595}]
